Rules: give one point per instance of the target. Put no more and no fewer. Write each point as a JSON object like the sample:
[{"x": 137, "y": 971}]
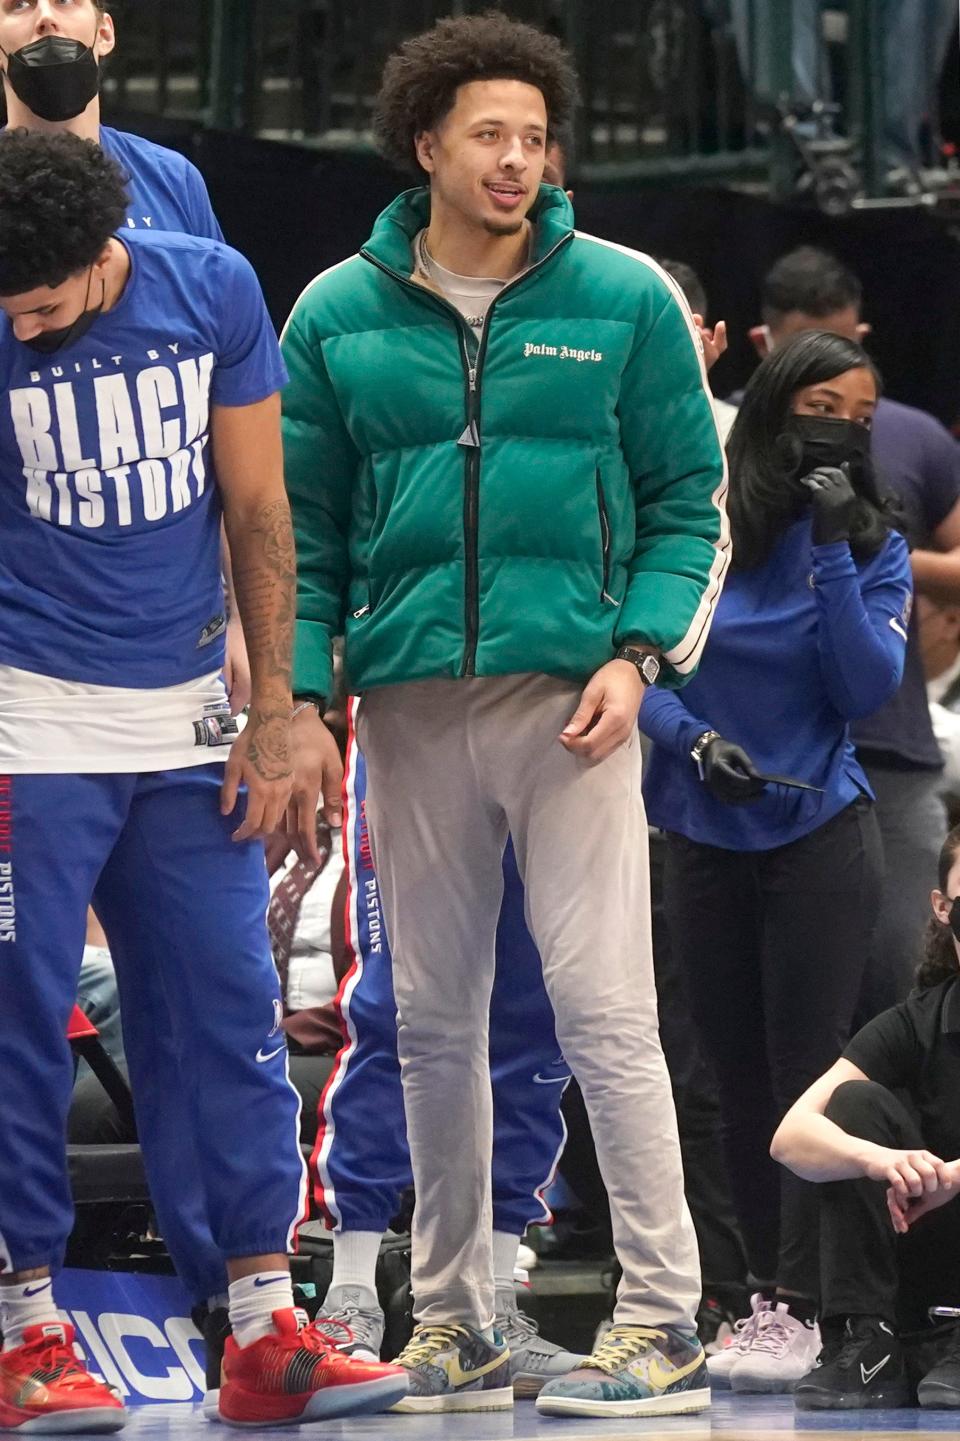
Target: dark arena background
[
  {"x": 697, "y": 139},
  {"x": 675, "y": 153}
]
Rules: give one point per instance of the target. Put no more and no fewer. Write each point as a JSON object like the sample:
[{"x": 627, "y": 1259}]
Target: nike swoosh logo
[
  {"x": 662, "y": 1379},
  {"x": 273, "y": 1281},
  {"x": 539, "y": 1080},
  {"x": 270, "y": 1054},
  {"x": 462, "y": 1378},
  {"x": 35, "y": 1290},
  {"x": 869, "y": 1375}
]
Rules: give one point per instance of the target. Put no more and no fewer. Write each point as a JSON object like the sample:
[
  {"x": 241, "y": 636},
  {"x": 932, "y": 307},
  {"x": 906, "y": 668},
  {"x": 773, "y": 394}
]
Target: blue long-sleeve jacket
[{"x": 799, "y": 648}]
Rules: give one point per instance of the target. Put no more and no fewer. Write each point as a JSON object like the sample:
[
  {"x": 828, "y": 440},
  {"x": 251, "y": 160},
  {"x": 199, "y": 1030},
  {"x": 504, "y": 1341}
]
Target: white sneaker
[
  {"x": 722, "y": 1363},
  {"x": 782, "y": 1351},
  {"x": 526, "y": 1258}
]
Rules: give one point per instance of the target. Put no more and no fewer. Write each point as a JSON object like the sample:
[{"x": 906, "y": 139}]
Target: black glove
[
  {"x": 730, "y": 774},
  {"x": 834, "y": 500}
]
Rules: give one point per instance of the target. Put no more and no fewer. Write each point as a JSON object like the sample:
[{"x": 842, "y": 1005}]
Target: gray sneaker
[
  {"x": 352, "y": 1321},
  {"x": 533, "y": 1361}
]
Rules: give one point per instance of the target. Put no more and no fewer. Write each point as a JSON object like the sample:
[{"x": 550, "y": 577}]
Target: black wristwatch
[{"x": 645, "y": 661}]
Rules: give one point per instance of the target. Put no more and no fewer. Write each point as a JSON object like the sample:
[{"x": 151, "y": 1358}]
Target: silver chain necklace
[{"x": 426, "y": 263}]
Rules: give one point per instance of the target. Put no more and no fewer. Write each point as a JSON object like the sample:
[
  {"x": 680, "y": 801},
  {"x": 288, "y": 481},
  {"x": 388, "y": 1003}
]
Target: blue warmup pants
[
  {"x": 184, "y": 911},
  {"x": 361, "y": 1163}
]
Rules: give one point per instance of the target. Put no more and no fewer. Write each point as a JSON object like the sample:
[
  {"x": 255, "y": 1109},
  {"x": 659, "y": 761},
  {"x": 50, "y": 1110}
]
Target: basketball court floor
[{"x": 755, "y": 1418}]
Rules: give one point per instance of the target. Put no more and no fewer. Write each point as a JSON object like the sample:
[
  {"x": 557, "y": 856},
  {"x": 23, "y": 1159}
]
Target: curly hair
[
  {"x": 939, "y": 961},
  {"x": 61, "y": 199},
  {"x": 420, "y": 81}
]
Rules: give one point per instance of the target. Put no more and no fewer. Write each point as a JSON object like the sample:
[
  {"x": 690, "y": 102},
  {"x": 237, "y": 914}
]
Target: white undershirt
[
  {"x": 472, "y": 295},
  {"x": 50, "y": 726}
]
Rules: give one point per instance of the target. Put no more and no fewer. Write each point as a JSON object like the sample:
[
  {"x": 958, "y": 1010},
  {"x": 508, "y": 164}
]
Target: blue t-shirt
[
  {"x": 109, "y": 508},
  {"x": 919, "y": 460},
  {"x": 166, "y": 191},
  {"x": 798, "y": 647}
]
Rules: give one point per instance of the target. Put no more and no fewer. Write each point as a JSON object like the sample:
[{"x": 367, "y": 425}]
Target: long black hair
[
  {"x": 764, "y": 458},
  {"x": 939, "y": 961}
]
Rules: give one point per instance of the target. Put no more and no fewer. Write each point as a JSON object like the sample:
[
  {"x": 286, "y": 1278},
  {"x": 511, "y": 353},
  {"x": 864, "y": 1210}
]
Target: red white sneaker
[
  {"x": 44, "y": 1388},
  {"x": 298, "y": 1375}
]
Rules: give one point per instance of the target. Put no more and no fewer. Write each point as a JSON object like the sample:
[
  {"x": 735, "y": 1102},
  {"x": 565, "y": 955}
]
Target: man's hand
[
  {"x": 317, "y": 770},
  {"x": 714, "y": 341},
  {"x": 907, "y": 1203},
  {"x": 236, "y": 667},
  {"x": 260, "y": 759},
  {"x": 607, "y": 714}
]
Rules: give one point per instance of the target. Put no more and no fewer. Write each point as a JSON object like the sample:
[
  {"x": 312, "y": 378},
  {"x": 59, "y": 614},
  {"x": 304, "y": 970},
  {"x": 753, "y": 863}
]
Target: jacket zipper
[
  {"x": 471, "y": 520},
  {"x": 604, "y": 540},
  {"x": 470, "y": 439}
]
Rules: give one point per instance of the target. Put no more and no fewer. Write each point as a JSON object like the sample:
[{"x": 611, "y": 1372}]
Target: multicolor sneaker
[
  {"x": 298, "y": 1375},
  {"x": 454, "y": 1368},
  {"x": 352, "y": 1318},
  {"x": 783, "y": 1350},
  {"x": 720, "y": 1366},
  {"x": 635, "y": 1371},
  {"x": 533, "y": 1361},
  {"x": 43, "y": 1387}
]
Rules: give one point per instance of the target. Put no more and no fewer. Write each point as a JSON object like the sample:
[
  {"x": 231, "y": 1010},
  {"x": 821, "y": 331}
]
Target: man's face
[
  {"x": 46, "y": 308},
  {"x": 485, "y": 159},
  {"x": 844, "y": 322},
  {"x": 24, "y": 21}
]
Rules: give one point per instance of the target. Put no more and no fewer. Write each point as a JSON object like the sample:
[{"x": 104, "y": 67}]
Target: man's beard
[{"x": 503, "y": 227}]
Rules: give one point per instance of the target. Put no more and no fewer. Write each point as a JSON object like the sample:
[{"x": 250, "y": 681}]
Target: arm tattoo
[{"x": 264, "y": 576}]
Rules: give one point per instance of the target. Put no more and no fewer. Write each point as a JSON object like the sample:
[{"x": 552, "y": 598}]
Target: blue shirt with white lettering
[
  {"x": 109, "y": 507},
  {"x": 166, "y": 191}
]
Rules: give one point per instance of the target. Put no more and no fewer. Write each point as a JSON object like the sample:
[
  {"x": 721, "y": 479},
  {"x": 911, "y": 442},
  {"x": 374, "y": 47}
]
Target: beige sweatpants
[{"x": 452, "y": 767}]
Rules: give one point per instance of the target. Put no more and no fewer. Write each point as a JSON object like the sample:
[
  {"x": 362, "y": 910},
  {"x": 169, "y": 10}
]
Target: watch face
[{"x": 650, "y": 669}]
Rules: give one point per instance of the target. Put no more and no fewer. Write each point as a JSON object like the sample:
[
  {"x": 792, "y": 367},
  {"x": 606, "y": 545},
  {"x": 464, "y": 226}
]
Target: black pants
[
  {"x": 865, "y": 1267},
  {"x": 774, "y": 944},
  {"x": 913, "y": 822}
]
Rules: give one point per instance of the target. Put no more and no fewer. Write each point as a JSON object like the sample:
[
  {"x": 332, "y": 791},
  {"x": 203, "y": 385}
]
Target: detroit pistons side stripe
[
  {"x": 545, "y": 1185},
  {"x": 324, "y": 1192},
  {"x": 303, "y": 1191}
]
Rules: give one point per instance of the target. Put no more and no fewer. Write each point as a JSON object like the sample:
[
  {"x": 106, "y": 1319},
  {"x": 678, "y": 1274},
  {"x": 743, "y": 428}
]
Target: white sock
[
  {"x": 27, "y": 1303},
  {"x": 355, "y": 1256},
  {"x": 505, "y": 1250},
  {"x": 253, "y": 1300}
]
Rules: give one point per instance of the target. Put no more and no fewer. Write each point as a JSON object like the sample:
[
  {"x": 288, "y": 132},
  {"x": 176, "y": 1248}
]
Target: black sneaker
[
  {"x": 940, "y": 1388},
  {"x": 214, "y": 1327},
  {"x": 866, "y": 1372}
]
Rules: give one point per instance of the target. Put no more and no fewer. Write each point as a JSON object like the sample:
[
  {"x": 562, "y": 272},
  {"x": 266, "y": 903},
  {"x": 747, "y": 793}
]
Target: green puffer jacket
[{"x": 527, "y": 504}]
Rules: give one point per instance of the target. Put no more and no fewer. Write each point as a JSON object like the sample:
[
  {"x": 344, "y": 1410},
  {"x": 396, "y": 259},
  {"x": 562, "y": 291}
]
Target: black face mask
[
  {"x": 48, "y": 342},
  {"x": 55, "y": 78},
  {"x": 825, "y": 440}
]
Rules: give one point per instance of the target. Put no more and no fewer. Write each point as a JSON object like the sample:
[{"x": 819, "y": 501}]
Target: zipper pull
[
  {"x": 472, "y": 378},
  {"x": 359, "y": 614}
]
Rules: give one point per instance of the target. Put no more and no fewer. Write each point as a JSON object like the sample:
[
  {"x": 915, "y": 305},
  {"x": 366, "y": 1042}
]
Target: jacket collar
[{"x": 398, "y": 225}]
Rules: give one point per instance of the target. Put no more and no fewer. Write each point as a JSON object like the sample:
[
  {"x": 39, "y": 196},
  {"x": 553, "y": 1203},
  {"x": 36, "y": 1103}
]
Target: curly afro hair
[
  {"x": 61, "y": 199},
  {"x": 420, "y": 81}
]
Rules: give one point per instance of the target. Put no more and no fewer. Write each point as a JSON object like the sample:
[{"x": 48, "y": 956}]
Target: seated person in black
[{"x": 882, "y": 1129}]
